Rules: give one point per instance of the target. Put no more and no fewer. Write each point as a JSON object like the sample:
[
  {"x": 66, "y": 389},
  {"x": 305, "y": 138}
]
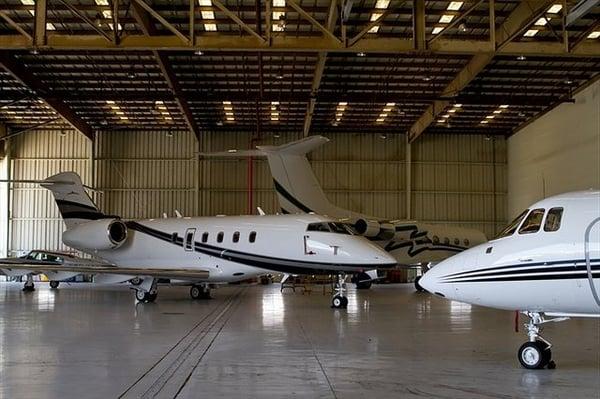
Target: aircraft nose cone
[{"x": 428, "y": 281}]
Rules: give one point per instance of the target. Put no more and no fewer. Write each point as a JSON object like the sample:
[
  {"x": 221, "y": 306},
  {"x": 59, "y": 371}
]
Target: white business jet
[
  {"x": 201, "y": 250},
  {"x": 299, "y": 191},
  {"x": 545, "y": 264}
]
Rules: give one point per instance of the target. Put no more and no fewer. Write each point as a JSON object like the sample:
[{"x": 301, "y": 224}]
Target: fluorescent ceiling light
[
  {"x": 375, "y": 15},
  {"x": 555, "y": 8},
  {"x": 594, "y": 35},
  {"x": 208, "y": 15},
  {"x": 484, "y": 122},
  {"x": 390, "y": 104},
  {"x": 382, "y": 4},
  {"x": 451, "y": 111},
  {"x": 541, "y": 22},
  {"x": 504, "y": 106},
  {"x": 205, "y": 3},
  {"x": 379, "y": 120},
  {"x": 437, "y": 30},
  {"x": 278, "y": 3},
  {"x": 446, "y": 18},
  {"x": 490, "y": 117},
  {"x": 498, "y": 111},
  {"x": 531, "y": 33},
  {"x": 455, "y": 5},
  {"x": 457, "y": 105},
  {"x": 50, "y": 26},
  {"x": 374, "y": 29}
]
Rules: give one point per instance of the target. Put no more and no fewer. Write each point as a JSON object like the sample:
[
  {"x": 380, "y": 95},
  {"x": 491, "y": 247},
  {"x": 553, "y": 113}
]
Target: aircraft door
[
  {"x": 188, "y": 244},
  {"x": 592, "y": 253}
]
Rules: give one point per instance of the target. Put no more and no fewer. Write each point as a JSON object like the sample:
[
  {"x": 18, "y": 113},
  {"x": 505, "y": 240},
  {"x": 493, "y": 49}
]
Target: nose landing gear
[
  {"x": 29, "y": 286},
  {"x": 536, "y": 353},
  {"x": 340, "y": 300},
  {"x": 147, "y": 291}
]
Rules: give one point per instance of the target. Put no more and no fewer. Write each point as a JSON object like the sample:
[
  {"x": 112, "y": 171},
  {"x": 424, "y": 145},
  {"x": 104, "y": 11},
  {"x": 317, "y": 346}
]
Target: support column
[
  {"x": 419, "y": 24},
  {"x": 408, "y": 179},
  {"x": 7, "y": 170},
  {"x": 39, "y": 36}
]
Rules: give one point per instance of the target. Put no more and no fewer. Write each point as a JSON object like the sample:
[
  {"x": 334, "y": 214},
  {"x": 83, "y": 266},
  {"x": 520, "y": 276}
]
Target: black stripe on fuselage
[
  {"x": 281, "y": 190},
  {"x": 530, "y": 277},
  {"x": 492, "y": 270},
  {"x": 262, "y": 261}
]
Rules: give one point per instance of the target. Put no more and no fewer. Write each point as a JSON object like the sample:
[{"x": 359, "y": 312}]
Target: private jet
[
  {"x": 545, "y": 264},
  {"x": 202, "y": 250},
  {"x": 299, "y": 191}
]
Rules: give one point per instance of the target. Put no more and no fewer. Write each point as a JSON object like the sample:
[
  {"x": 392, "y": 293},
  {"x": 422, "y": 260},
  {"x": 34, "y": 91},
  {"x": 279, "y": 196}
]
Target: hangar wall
[
  {"x": 559, "y": 152},
  {"x": 457, "y": 180}
]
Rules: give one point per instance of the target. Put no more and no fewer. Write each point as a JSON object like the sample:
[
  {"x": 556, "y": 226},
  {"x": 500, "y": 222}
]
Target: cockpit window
[
  {"x": 512, "y": 226},
  {"x": 532, "y": 222},
  {"x": 331, "y": 227},
  {"x": 318, "y": 227},
  {"x": 553, "y": 219}
]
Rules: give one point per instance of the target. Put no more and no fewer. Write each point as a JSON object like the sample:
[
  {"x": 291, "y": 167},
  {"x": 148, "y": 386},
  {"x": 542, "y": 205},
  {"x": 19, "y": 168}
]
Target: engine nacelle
[
  {"x": 374, "y": 229},
  {"x": 98, "y": 235}
]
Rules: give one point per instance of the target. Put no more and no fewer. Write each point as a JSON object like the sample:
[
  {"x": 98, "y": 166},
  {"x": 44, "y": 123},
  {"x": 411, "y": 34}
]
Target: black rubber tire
[
  {"x": 54, "y": 284},
  {"x": 337, "y": 302},
  {"x": 152, "y": 297},
  {"x": 546, "y": 355},
  {"x": 344, "y": 302},
  {"x": 141, "y": 296},
  {"x": 196, "y": 292},
  {"x": 531, "y": 355},
  {"x": 417, "y": 285},
  {"x": 29, "y": 288},
  {"x": 363, "y": 285},
  {"x": 136, "y": 281}
]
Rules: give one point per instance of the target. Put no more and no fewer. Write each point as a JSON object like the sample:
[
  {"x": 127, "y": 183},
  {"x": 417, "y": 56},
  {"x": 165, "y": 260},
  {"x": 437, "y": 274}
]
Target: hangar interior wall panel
[
  {"x": 557, "y": 153},
  {"x": 145, "y": 174},
  {"x": 456, "y": 180},
  {"x": 35, "y": 221}
]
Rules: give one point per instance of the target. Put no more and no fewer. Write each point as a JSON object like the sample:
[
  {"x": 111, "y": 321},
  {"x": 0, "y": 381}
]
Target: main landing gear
[
  {"x": 200, "y": 291},
  {"x": 54, "y": 284},
  {"x": 536, "y": 353},
  {"x": 147, "y": 291},
  {"x": 340, "y": 300},
  {"x": 29, "y": 286}
]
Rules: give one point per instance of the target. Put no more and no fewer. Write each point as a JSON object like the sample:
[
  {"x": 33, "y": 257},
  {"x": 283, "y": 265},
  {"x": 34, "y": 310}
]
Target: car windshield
[{"x": 512, "y": 226}]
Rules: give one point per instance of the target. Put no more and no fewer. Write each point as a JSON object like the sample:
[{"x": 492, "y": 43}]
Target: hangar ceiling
[{"x": 372, "y": 66}]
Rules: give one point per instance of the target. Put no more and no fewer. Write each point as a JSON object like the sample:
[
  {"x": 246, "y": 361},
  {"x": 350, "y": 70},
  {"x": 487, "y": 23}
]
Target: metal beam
[
  {"x": 419, "y": 24},
  {"x": 456, "y": 21},
  {"x": 84, "y": 18},
  {"x": 39, "y": 26},
  {"x": 521, "y": 17},
  {"x": 367, "y": 28},
  {"x": 20, "y": 73},
  {"x": 327, "y": 32},
  {"x": 162, "y": 20},
  {"x": 238, "y": 21},
  {"x": 168, "y": 73},
  {"x": 283, "y": 43},
  {"x": 319, "y": 68},
  {"x": 15, "y": 25}
]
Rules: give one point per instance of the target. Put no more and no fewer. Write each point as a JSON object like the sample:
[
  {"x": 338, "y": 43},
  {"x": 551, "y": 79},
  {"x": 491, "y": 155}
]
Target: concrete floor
[{"x": 95, "y": 342}]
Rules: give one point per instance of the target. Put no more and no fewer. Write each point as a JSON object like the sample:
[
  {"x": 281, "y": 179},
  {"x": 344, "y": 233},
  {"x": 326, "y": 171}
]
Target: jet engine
[
  {"x": 375, "y": 230},
  {"x": 97, "y": 235}
]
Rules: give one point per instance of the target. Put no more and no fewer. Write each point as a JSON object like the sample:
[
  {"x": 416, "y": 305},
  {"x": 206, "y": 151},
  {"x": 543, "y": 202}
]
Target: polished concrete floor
[{"x": 254, "y": 342}]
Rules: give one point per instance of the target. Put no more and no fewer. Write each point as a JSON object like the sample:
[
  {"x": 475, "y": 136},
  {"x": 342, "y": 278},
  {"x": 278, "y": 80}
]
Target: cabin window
[
  {"x": 236, "y": 236},
  {"x": 553, "y": 219},
  {"x": 456, "y": 241},
  {"x": 446, "y": 241},
  {"x": 532, "y": 222},
  {"x": 512, "y": 227},
  {"x": 205, "y": 236},
  {"x": 466, "y": 242},
  {"x": 220, "y": 236},
  {"x": 436, "y": 240},
  {"x": 252, "y": 236}
]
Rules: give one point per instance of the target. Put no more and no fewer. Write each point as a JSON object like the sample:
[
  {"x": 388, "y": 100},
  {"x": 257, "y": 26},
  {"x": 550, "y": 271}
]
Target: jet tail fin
[{"x": 73, "y": 202}]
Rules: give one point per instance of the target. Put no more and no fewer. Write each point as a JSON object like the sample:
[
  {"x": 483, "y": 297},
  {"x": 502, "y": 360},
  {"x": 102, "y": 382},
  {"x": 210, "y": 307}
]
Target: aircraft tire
[
  {"x": 534, "y": 355},
  {"x": 152, "y": 297},
  {"x": 345, "y": 302},
  {"x": 145, "y": 297},
  {"x": 54, "y": 284},
  {"x": 136, "y": 281},
  {"x": 418, "y": 286},
  {"x": 195, "y": 292},
  {"x": 337, "y": 302},
  {"x": 28, "y": 287}
]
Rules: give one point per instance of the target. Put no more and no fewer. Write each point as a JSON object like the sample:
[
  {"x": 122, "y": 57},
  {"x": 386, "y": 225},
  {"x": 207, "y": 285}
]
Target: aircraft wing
[{"x": 86, "y": 268}]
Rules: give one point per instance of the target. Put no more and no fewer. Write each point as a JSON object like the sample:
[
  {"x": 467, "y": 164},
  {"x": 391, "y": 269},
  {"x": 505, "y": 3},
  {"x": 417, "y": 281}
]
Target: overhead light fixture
[
  {"x": 504, "y": 106},
  {"x": 531, "y": 33},
  {"x": 276, "y": 135},
  {"x": 462, "y": 27},
  {"x": 384, "y": 112},
  {"x": 490, "y": 116},
  {"x": 594, "y": 35},
  {"x": 383, "y": 136},
  {"x": 361, "y": 54},
  {"x": 274, "y": 111},
  {"x": 339, "y": 110},
  {"x": 208, "y": 16},
  {"x": 117, "y": 110},
  {"x": 541, "y": 22},
  {"x": 455, "y": 5},
  {"x": 568, "y": 81},
  {"x": 164, "y": 112},
  {"x": 379, "y": 5},
  {"x": 521, "y": 58},
  {"x": 426, "y": 78},
  {"x": 278, "y": 16},
  {"x": 446, "y": 19},
  {"x": 483, "y": 122},
  {"x": 199, "y": 52},
  {"x": 555, "y": 8},
  {"x": 131, "y": 74},
  {"x": 228, "y": 110},
  {"x": 107, "y": 13},
  {"x": 437, "y": 30}
]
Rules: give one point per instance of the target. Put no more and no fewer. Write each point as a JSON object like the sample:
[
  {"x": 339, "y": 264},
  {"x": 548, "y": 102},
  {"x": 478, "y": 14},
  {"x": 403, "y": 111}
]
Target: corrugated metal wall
[{"x": 458, "y": 180}]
